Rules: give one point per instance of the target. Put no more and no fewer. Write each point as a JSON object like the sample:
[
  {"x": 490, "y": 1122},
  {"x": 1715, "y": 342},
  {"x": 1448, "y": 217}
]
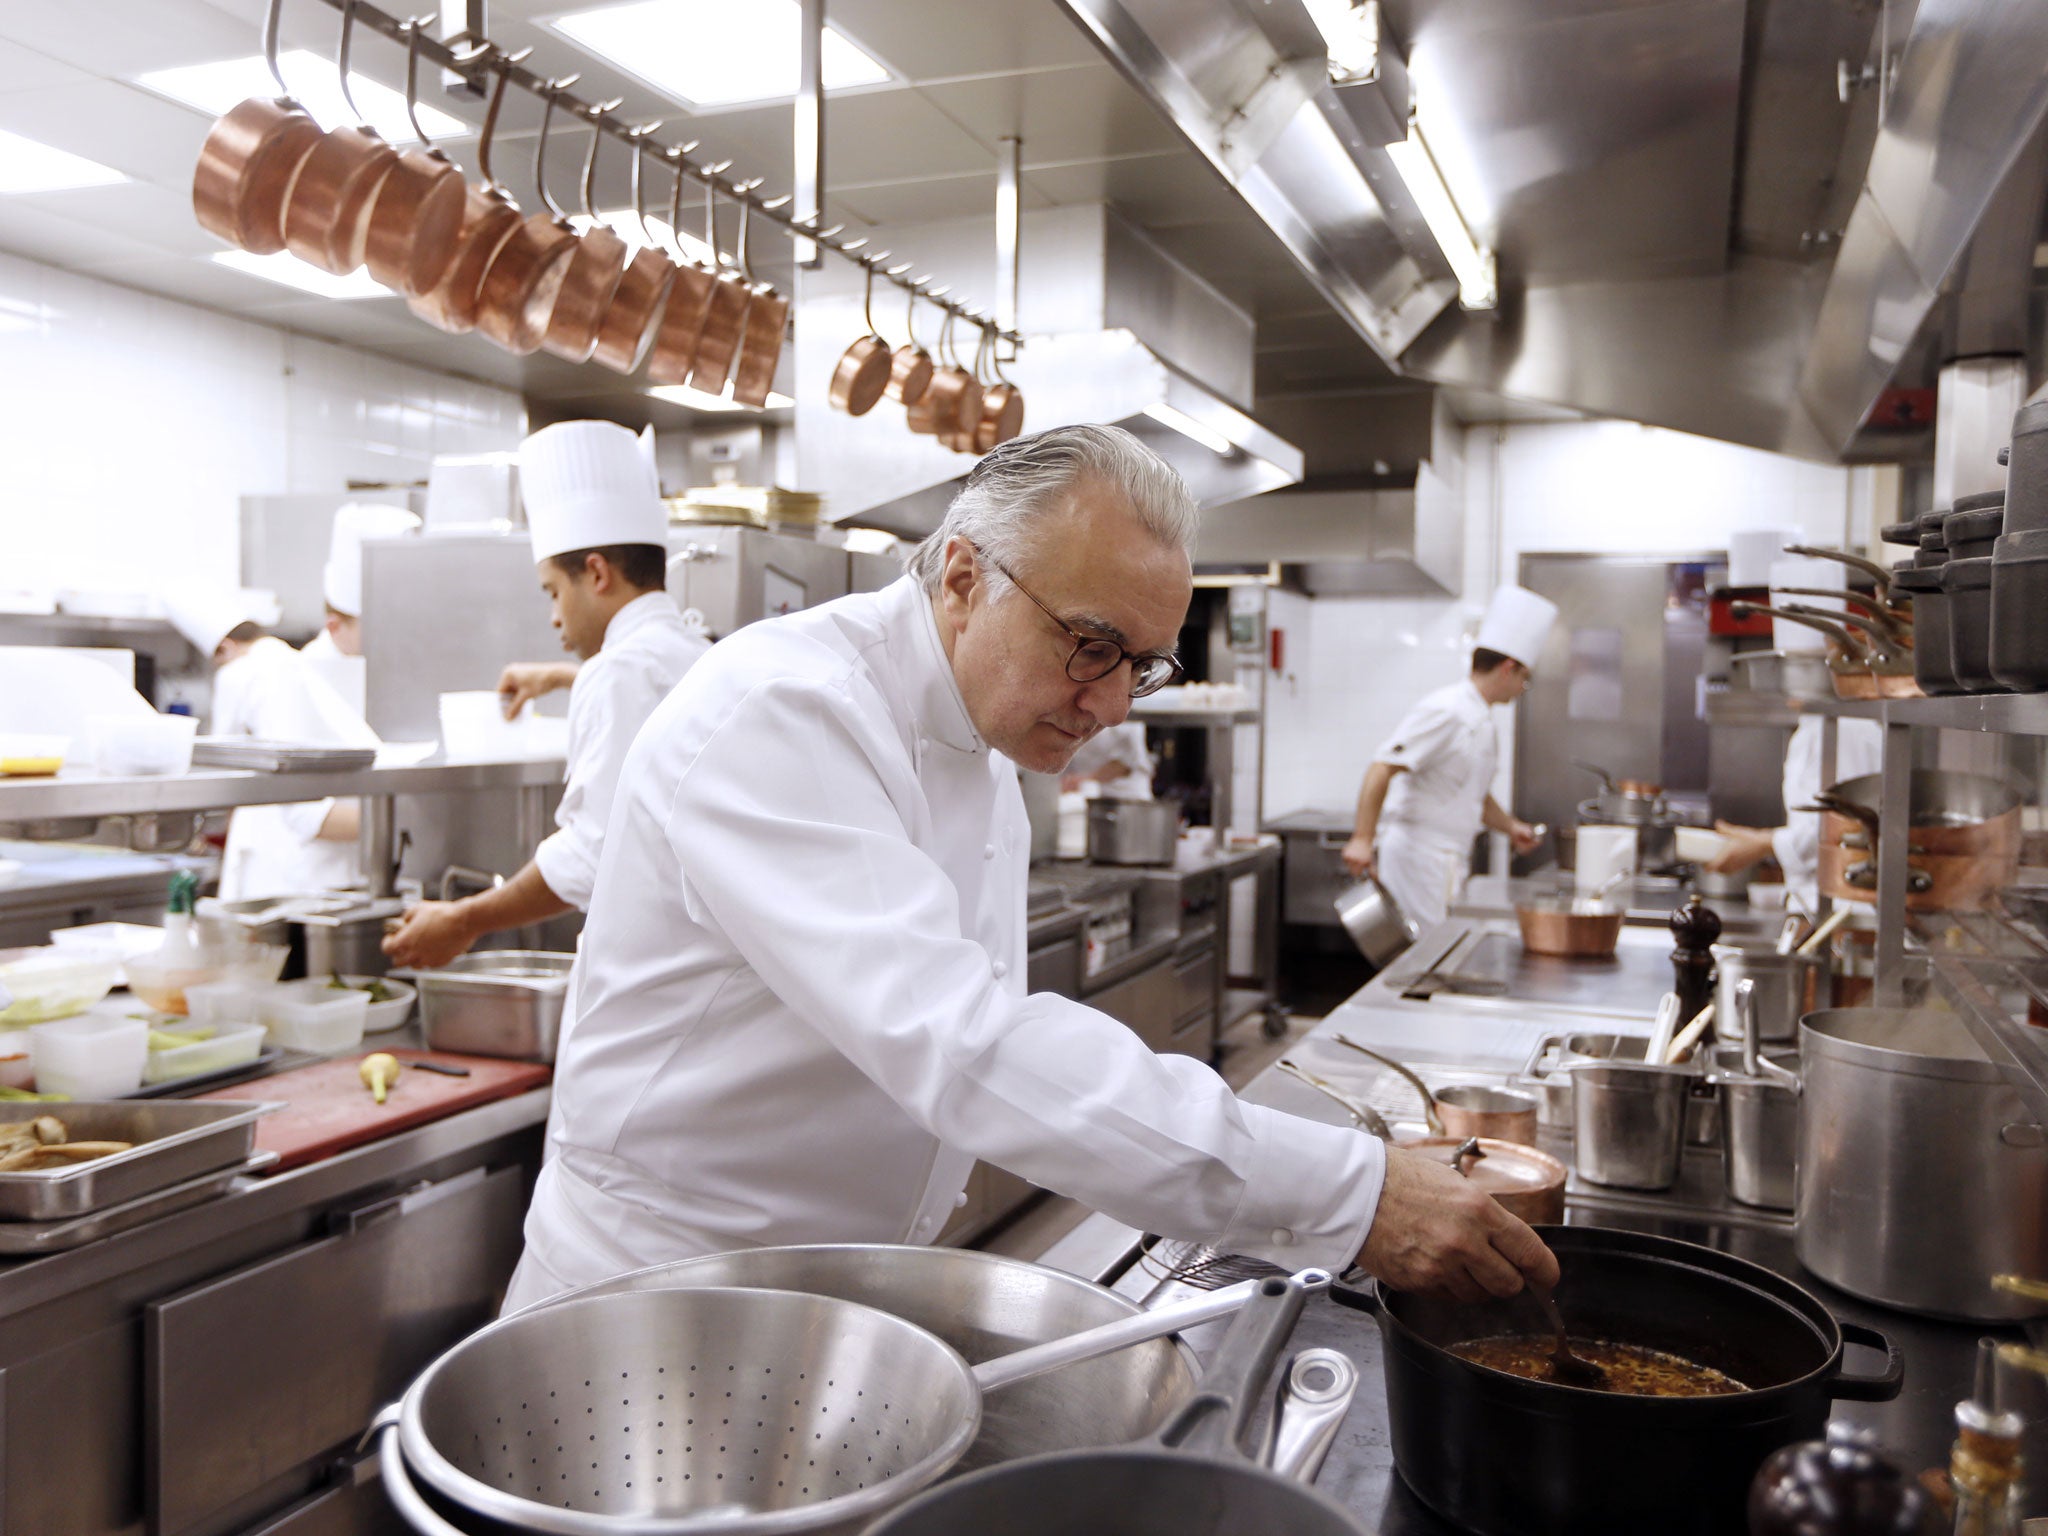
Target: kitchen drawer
[
  {"x": 1195, "y": 982},
  {"x": 1313, "y": 874},
  {"x": 1146, "y": 1002},
  {"x": 1196, "y": 1036},
  {"x": 253, "y": 1380},
  {"x": 1055, "y": 968}
]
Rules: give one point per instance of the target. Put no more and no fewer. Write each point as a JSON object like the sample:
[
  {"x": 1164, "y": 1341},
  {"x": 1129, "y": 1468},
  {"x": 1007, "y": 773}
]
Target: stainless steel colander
[{"x": 739, "y": 1412}]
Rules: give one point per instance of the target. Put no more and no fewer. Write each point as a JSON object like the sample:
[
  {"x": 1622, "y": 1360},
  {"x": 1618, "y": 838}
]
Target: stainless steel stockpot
[{"x": 1132, "y": 831}]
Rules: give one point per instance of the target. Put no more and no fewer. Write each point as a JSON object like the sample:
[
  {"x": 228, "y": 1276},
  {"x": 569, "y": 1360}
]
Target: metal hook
[
  {"x": 502, "y": 63},
  {"x": 270, "y": 19},
  {"x": 540, "y": 148},
  {"x": 597, "y": 135},
  {"x": 638, "y": 137},
  {"x": 412, "y": 27},
  {"x": 711, "y": 221},
  {"x": 745, "y": 253},
  {"x": 341, "y": 56},
  {"x": 675, "y": 206},
  {"x": 867, "y": 298},
  {"x": 910, "y": 317}
]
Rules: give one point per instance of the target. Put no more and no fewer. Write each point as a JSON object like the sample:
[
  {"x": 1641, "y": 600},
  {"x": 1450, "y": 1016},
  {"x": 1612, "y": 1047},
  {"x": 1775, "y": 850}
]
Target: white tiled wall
[
  {"x": 1354, "y": 665},
  {"x": 131, "y": 426}
]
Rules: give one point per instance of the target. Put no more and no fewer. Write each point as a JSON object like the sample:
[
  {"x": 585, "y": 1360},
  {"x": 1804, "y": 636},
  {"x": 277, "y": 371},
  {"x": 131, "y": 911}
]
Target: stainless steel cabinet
[{"x": 1145, "y": 1002}]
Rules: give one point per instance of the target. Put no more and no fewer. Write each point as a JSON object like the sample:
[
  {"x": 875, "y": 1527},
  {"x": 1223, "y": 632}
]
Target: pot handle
[
  {"x": 1213, "y": 1422},
  {"x": 1361, "y": 1297},
  {"x": 1881, "y": 1388},
  {"x": 1315, "y": 1393},
  {"x": 405, "y": 1498}
]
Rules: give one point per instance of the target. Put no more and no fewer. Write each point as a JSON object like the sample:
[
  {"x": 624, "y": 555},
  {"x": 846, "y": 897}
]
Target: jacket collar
[
  {"x": 935, "y": 703},
  {"x": 645, "y": 609}
]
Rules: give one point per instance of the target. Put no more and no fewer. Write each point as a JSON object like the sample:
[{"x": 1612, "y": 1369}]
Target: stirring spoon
[{"x": 1567, "y": 1367}]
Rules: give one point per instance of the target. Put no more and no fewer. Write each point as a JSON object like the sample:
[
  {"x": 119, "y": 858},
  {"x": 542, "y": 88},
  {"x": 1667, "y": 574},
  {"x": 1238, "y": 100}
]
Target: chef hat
[
  {"x": 342, "y": 581},
  {"x": 204, "y": 615},
  {"x": 1517, "y": 624},
  {"x": 587, "y": 484}
]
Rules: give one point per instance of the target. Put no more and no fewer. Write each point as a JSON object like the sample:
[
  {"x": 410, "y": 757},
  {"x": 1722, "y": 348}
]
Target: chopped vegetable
[
  {"x": 374, "y": 985},
  {"x": 378, "y": 1072}
]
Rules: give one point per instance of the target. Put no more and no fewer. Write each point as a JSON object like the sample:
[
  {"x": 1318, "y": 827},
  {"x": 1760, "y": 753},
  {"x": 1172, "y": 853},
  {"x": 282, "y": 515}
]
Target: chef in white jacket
[
  {"x": 264, "y": 688},
  {"x": 1115, "y": 759},
  {"x": 600, "y": 549},
  {"x": 1429, "y": 788},
  {"x": 1859, "y": 749},
  {"x": 341, "y": 579},
  {"x": 802, "y": 1011}
]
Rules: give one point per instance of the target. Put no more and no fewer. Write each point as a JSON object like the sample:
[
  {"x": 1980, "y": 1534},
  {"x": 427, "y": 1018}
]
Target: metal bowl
[{"x": 984, "y": 1306}]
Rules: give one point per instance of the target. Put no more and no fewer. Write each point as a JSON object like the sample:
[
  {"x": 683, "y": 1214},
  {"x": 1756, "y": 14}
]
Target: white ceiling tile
[
  {"x": 131, "y": 213},
  {"x": 42, "y": 235},
  {"x": 137, "y": 134},
  {"x": 1083, "y": 113},
  {"x": 24, "y": 69},
  {"x": 120, "y": 38}
]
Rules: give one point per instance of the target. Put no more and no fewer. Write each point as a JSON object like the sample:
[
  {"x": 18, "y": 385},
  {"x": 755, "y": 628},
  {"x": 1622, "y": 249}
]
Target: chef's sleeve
[
  {"x": 1424, "y": 733},
  {"x": 599, "y": 734},
  {"x": 807, "y": 864}
]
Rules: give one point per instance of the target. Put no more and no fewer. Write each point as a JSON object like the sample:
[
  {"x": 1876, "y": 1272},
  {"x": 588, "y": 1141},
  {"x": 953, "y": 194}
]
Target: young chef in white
[
  {"x": 802, "y": 1010},
  {"x": 264, "y": 688},
  {"x": 1859, "y": 749},
  {"x": 1115, "y": 757},
  {"x": 1429, "y": 788},
  {"x": 341, "y": 580},
  {"x": 600, "y": 547}
]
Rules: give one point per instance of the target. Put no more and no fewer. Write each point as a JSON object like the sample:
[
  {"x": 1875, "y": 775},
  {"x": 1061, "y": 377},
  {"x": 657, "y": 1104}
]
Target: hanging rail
[{"x": 481, "y": 60}]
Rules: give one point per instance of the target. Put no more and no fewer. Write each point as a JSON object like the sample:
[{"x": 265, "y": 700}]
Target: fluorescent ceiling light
[
  {"x": 219, "y": 86},
  {"x": 1472, "y": 262},
  {"x": 1187, "y": 426},
  {"x": 697, "y": 400},
  {"x": 714, "y": 53},
  {"x": 26, "y": 166},
  {"x": 626, "y": 225},
  {"x": 286, "y": 268}
]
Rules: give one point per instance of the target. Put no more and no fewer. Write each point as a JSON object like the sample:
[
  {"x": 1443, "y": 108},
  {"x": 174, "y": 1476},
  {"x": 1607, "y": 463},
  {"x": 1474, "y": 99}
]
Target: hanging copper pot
[
  {"x": 251, "y": 158},
  {"x": 414, "y": 223},
  {"x": 489, "y": 219},
  {"x": 955, "y": 395},
  {"x": 635, "y": 312},
  {"x": 862, "y": 372},
  {"x": 326, "y": 217},
  {"x": 725, "y": 319},
  {"x": 753, "y": 376},
  {"x": 1002, "y": 405},
  {"x": 910, "y": 366},
  {"x": 689, "y": 299},
  {"x": 596, "y": 265},
  {"x": 517, "y": 296}
]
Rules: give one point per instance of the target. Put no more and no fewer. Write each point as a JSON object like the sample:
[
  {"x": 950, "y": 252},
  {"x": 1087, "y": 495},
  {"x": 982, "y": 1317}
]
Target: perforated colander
[{"x": 741, "y": 1412}]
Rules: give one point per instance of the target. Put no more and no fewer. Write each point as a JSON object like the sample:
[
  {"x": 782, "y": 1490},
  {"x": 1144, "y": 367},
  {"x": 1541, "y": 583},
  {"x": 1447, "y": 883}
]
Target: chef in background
[
  {"x": 1859, "y": 749},
  {"x": 600, "y": 548},
  {"x": 265, "y": 689},
  {"x": 1428, "y": 790},
  {"x": 1115, "y": 760},
  {"x": 341, "y": 580}
]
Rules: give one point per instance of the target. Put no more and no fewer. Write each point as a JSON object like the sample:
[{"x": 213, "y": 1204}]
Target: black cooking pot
[{"x": 1503, "y": 1456}]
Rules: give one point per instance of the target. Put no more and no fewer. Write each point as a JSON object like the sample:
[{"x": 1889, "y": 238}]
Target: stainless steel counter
[
  {"x": 1489, "y": 951},
  {"x": 1650, "y": 901},
  {"x": 77, "y": 794}
]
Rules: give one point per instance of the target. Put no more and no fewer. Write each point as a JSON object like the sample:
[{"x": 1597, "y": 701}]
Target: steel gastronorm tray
[
  {"x": 25, "y": 1239},
  {"x": 174, "y": 1141}
]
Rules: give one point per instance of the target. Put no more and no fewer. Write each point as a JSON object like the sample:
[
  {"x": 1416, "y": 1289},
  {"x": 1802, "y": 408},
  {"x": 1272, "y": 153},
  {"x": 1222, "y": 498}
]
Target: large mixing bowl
[{"x": 984, "y": 1306}]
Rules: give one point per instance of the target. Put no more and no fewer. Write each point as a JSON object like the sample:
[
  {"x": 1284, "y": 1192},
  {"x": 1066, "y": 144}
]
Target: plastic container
[
  {"x": 228, "y": 1047},
  {"x": 256, "y": 965},
  {"x": 230, "y": 1002},
  {"x": 147, "y": 745},
  {"x": 99, "y": 1056},
  {"x": 310, "y": 1015},
  {"x": 2019, "y": 600},
  {"x": 31, "y": 755},
  {"x": 1968, "y": 586},
  {"x": 125, "y": 940},
  {"x": 52, "y": 983},
  {"x": 388, "y": 1014},
  {"x": 17, "y": 1065}
]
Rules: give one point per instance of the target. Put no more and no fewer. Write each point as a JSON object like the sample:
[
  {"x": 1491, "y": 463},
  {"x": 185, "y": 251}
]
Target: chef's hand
[
  {"x": 1437, "y": 1231},
  {"x": 432, "y": 933},
  {"x": 1357, "y": 857},
  {"x": 1747, "y": 848},
  {"x": 523, "y": 682},
  {"x": 1522, "y": 837}
]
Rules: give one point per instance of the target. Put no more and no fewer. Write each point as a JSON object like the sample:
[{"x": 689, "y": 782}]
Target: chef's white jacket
[
  {"x": 1433, "y": 811},
  {"x": 272, "y": 692},
  {"x": 802, "y": 1012},
  {"x": 1859, "y": 749},
  {"x": 647, "y": 648},
  {"x": 1124, "y": 744}
]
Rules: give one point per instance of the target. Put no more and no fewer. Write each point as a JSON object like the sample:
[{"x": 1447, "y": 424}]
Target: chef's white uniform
[
  {"x": 1434, "y": 810},
  {"x": 1124, "y": 744},
  {"x": 1859, "y": 749},
  {"x": 648, "y": 646},
  {"x": 272, "y": 692},
  {"x": 802, "y": 1008}
]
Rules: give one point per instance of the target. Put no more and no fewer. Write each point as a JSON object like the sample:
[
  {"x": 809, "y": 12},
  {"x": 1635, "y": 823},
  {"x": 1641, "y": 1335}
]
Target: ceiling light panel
[
  {"x": 219, "y": 87},
  {"x": 293, "y": 273},
  {"x": 714, "y": 53},
  {"x": 697, "y": 400},
  {"x": 27, "y": 166}
]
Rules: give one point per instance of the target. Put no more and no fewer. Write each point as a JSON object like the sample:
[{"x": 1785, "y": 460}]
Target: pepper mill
[{"x": 1695, "y": 926}]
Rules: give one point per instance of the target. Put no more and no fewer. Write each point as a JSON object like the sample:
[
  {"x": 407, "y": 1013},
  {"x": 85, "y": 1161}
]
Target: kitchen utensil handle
[
  {"x": 1314, "y": 1395},
  {"x": 1214, "y": 1420},
  {"x": 1155, "y": 1323},
  {"x": 1359, "y": 1298},
  {"x": 1882, "y": 1388},
  {"x": 1532, "y": 1069},
  {"x": 405, "y": 1498},
  {"x": 1688, "y": 1037},
  {"x": 1430, "y": 1116}
]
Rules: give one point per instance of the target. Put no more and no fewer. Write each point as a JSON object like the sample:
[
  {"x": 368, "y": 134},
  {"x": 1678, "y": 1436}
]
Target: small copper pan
[
  {"x": 327, "y": 215},
  {"x": 246, "y": 169},
  {"x": 635, "y": 312},
  {"x": 416, "y": 219},
  {"x": 910, "y": 366},
  {"x": 489, "y": 219},
  {"x": 595, "y": 268},
  {"x": 689, "y": 303},
  {"x": 520, "y": 285},
  {"x": 954, "y": 394},
  {"x": 725, "y": 323},
  {"x": 863, "y": 369},
  {"x": 1002, "y": 404},
  {"x": 753, "y": 376}
]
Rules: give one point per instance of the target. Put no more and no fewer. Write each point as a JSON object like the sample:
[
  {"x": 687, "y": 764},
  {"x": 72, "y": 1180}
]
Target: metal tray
[
  {"x": 176, "y": 1140},
  {"x": 262, "y": 1064},
  {"x": 25, "y": 1239}
]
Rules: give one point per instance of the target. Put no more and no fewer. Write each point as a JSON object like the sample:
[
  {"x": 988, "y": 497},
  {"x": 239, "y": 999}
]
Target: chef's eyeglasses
[{"x": 1094, "y": 658}]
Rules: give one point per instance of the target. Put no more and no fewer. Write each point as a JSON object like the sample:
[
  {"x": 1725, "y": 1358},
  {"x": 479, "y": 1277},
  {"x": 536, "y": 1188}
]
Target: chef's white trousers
[{"x": 1421, "y": 870}]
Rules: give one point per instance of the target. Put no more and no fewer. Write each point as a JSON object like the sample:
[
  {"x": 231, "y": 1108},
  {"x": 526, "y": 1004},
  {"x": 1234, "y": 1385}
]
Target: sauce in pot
[{"x": 1631, "y": 1369}]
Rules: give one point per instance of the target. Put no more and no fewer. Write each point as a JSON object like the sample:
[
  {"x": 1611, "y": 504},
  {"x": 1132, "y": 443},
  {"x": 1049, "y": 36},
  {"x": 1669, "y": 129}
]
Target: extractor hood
[{"x": 1116, "y": 333}]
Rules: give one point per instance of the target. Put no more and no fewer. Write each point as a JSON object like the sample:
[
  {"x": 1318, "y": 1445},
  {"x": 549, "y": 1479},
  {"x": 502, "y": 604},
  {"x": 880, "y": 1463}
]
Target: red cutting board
[{"x": 329, "y": 1110}]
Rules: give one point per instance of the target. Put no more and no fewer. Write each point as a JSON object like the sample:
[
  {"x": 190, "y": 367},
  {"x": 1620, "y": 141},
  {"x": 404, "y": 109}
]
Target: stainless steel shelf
[
  {"x": 1853, "y": 709},
  {"x": 2019, "y": 1049},
  {"x": 2014, "y": 714},
  {"x": 1193, "y": 717},
  {"x": 71, "y": 795},
  {"x": 1746, "y": 709}
]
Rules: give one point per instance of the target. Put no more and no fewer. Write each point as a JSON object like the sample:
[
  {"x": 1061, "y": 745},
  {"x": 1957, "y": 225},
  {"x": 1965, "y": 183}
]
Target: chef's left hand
[
  {"x": 431, "y": 934},
  {"x": 1522, "y": 837},
  {"x": 1746, "y": 848}
]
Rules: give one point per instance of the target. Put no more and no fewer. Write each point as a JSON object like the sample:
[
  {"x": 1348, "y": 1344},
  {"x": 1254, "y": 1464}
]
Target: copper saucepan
[
  {"x": 416, "y": 220},
  {"x": 596, "y": 265},
  {"x": 326, "y": 217},
  {"x": 634, "y": 314},
  {"x": 689, "y": 300},
  {"x": 954, "y": 395},
  {"x": 1527, "y": 1183},
  {"x": 910, "y": 366},
  {"x": 250, "y": 159},
  {"x": 1881, "y": 574},
  {"x": 517, "y": 296},
  {"x": 1963, "y": 839},
  {"x": 1848, "y": 658},
  {"x": 753, "y": 377},
  {"x": 862, "y": 373},
  {"x": 1002, "y": 407},
  {"x": 1576, "y": 929},
  {"x": 489, "y": 219},
  {"x": 725, "y": 317}
]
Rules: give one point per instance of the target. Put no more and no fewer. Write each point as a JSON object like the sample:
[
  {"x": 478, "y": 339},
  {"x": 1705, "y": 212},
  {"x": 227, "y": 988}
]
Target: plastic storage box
[
  {"x": 52, "y": 983},
  {"x": 309, "y": 1015},
  {"x": 229, "y": 1047},
  {"x": 96, "y": 1056}
]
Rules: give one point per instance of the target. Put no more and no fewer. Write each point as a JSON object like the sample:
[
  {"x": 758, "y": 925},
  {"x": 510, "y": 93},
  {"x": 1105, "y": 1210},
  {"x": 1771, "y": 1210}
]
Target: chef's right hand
[
  {"x": 431, "y": 934},
  {"x": 1357, "y": 857},
  {"x": 523, "y": 682},
  {"x": 1437, "y": 1231}
]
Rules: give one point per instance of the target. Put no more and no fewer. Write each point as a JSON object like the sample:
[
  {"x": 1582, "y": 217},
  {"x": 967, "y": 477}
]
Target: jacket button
[
  {"x": 960, "y": 1200},
  {"x": 1001, "y": 969},
  {"x": 989, "y": 852},
  {"x": 1282, "y": 1237}
]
